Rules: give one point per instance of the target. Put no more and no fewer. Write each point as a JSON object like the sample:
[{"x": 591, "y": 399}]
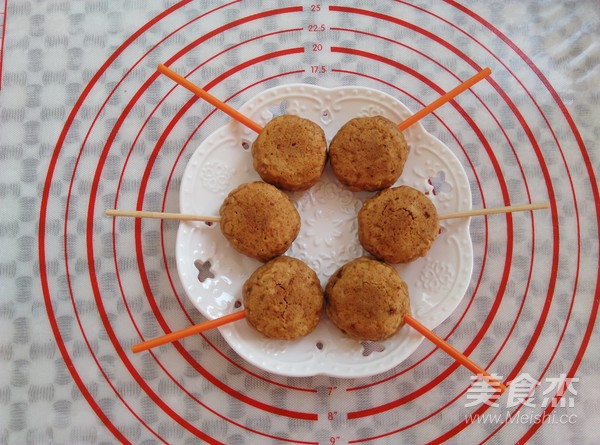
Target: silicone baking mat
[{"x": 86, "y": 124}]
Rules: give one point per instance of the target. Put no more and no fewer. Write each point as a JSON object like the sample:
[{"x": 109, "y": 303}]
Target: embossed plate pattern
[{"x": 328, "y": 237}]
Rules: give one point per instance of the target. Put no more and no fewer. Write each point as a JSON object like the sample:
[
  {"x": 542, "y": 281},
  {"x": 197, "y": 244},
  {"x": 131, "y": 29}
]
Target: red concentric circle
[{"x": 109, "y": 283}]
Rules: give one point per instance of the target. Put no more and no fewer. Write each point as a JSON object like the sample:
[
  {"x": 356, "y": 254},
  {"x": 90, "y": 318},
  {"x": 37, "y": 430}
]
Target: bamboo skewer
[
  {"x": 216, "y": 219},
  {"x": 454, "y": 353},
  {"x": 494, "y": 210},
  {"x": 447, "y": 97},
  {"x": 210, "y": 98},
  {"x": 161, "y": 215}
]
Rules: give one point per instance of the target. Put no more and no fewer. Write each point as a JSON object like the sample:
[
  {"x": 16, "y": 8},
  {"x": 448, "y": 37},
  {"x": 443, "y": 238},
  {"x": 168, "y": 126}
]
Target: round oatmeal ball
[
  {"x": 367, "y": 300},
  {"x": 398, "y": 225},
  {"x": 283, "y": 299},
  {"x": 259, "y": 220},
  {"x": 290, "y": 152},
  {"x": 368, "y": 153}
]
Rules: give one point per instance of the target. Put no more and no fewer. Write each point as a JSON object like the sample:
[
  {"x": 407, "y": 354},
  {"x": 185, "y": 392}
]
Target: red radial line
[
  {"x": 43, "y": 221},
  {"x": 167, "y": 270},
  {"x": 139, "y": 250}
]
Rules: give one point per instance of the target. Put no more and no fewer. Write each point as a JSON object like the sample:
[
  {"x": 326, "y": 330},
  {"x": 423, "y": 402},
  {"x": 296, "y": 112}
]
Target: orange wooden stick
[
  {"x": 454, "y": 353},
  {"x": 445, "y": 98},
  {"x": 196, "y": 329},
  {"x": 210, "y": 98}
]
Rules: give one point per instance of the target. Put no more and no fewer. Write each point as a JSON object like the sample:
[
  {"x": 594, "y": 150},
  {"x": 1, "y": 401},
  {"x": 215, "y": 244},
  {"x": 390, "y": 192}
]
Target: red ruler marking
[{"x": 3, "y": 14}]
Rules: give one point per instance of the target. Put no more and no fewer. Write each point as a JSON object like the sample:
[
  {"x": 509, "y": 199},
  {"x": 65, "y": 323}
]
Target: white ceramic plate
[{"x": 328, "y": 236}]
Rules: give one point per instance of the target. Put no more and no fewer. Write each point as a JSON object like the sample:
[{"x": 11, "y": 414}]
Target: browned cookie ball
[
  {"x": 290, "y": 152},
  {"x": 368, "y": 153},
  {"x": 283, "y": 299},
  {"x": 259, "y": 220},
  {"x": 398, "y": 225},
  {"x": 367, "y": 300}
]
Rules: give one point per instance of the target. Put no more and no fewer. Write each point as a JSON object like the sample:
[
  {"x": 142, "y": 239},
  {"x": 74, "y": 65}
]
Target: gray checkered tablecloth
[{"x": 86, "y": 124}]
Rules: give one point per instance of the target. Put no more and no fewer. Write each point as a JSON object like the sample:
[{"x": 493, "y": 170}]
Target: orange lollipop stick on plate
[
  {"x": 444, "y": 98},
  {"x": 192, "y": 330},
  {"x": 209, "y": 98},
  {"x": 454, "y": 353}
]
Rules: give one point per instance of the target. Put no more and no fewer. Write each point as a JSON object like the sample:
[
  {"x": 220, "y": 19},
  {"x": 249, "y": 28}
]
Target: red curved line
[
  {"x": 587, "y": 334},
  {"x": 408, "y": 25},
  {"x": 139, "y": 250},
  {"x": 188, "y": 393},
  {"x": 545, "y": 310},
  {"x": 5, "y": 14},
  {"x": 96, "y": 288},
  {"x": 539, "y": 156},
  {"x": 81, "y": 99},
  {"x": 471, "y": 301},
  {"x": 42, "y": 222},
  {"x": 506, "y": 272},
  {"x": 169, "y": 180},
  {"x": 167, "y": 270},
  {"x": 70, "y": 191},
  {"x": 228, "y": 26},
  {"x": 593, "y": 184},
  {"x": 483, "y": 199}
]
